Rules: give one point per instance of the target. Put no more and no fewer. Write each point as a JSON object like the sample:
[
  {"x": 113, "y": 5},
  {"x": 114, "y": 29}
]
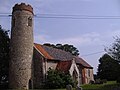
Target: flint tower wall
[{"x": 21, "y": 48}]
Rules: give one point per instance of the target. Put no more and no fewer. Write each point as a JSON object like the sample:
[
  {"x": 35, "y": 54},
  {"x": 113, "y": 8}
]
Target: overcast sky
[{"x": 88, "y": 35}]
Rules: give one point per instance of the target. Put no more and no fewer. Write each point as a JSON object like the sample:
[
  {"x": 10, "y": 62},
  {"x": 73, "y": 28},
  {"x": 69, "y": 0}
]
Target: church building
[{"x": 29, "y": 62}]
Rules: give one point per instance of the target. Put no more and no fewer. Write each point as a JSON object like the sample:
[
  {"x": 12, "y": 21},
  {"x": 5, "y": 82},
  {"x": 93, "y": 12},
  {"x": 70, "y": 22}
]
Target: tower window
[
  {"x": 13, "y": 22},
  {"x": 29, "y": 21}
]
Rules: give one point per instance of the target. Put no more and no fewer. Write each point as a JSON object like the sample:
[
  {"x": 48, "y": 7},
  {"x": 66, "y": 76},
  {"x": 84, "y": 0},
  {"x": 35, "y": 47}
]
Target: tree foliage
[
  {"x": 56, "y": 79},
  {"x": 108, "y": 68},
  {"x": 66, "y": 47},
  {"x": 4, "y": 56},
  {"x": 114, "y": 50}
]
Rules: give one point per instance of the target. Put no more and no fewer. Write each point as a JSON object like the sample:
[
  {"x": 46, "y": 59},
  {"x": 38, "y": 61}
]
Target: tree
[
  {"x": 4, "y": 57},
  {"x": 114, "y": 50},
  {"x": 66, "y": 47},
  {"x": 56, "y": 79},
  {"x": 108, "y": 68}
]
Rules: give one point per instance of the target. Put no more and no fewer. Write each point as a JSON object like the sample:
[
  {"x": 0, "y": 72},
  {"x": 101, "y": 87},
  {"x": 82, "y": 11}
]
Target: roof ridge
[
  {"x": 58, "y": 54},
  {"x": 57, "y": 49},
  {"x": 83, "y": 62}
]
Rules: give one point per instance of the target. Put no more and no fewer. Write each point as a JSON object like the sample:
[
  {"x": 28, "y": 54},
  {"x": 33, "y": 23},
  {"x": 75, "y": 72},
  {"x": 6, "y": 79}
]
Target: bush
[
  {"x": 4, "y": 85},
  {"x": 56, "y": 79},
  {"x": 91, "y": 82},
  {"x": 104, "y": 80},
  {"x": 118, "y": 80},
  {"x": 98, "y": 81}
]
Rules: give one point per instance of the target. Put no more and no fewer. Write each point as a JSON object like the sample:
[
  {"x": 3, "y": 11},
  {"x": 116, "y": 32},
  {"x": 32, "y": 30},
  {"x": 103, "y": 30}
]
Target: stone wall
[
  {"x": 51, "y": 64},
  {"x": 88, "y": 75},
  {"x": 38, "y": 75}
]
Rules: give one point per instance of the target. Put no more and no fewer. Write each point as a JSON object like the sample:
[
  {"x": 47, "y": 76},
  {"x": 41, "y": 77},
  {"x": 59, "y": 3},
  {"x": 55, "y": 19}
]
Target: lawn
[
  {"x": 110, "y": 85},
  {"x": 106, "y": 86}
]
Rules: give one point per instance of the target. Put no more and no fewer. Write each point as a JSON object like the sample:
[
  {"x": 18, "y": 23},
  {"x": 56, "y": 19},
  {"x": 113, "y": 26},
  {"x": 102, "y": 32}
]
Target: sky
[{"x": 90, "y": 36}]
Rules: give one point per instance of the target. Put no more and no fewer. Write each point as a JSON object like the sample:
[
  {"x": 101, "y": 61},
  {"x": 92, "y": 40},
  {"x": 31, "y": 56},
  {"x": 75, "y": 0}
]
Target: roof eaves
[
  {"x": 44, "y": 53},
  {"x": 39, "y": 51}
]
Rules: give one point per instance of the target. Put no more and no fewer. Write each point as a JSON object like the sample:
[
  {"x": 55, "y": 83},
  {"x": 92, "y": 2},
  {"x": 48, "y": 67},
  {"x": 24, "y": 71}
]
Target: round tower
[{"x": 21, "y": 49}]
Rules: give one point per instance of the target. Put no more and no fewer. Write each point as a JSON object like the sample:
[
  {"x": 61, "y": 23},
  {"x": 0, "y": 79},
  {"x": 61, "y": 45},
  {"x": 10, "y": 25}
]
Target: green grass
[
  {"x": 106, "y": 86},
  {"x": 110, "y": 85},
  {"x": 49, "y": 89}
]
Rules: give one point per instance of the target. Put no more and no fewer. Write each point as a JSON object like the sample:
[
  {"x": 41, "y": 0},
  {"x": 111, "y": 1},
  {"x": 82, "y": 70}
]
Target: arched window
[
  {"x": 88, "y": 72},
  {"x": 30, "y": 84},
  {"x": 13, "y": 22},
  {"x": 29, "y": 21}
]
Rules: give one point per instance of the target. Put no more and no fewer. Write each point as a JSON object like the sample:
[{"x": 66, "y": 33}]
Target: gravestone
[
  {"x": 79, "y": 88},
  {"x": 69, "y": 87}
]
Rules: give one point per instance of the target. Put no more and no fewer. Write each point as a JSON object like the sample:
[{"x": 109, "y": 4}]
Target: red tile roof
[
  {"x": 82, "y": 62},
  {"x": 40, "y": 48},
  {"x": 53, "y": 53},
  {"x": 57, "y": 54},
  {"x": 64, "y": 66}
]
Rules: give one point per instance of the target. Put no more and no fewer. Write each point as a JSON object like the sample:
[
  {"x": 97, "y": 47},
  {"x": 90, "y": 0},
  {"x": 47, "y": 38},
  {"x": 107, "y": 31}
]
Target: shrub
[
  {"x": 56, "y": 79},
  {"x": 91, "y": 82},
  {"x": 104, "y": 80},
  {"x": 98, "y": 81},
  {"x": 118, "y": 80}
]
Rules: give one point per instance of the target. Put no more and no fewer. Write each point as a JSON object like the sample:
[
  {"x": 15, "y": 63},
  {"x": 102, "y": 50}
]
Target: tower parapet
[{"x": 23, "y": 6}]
